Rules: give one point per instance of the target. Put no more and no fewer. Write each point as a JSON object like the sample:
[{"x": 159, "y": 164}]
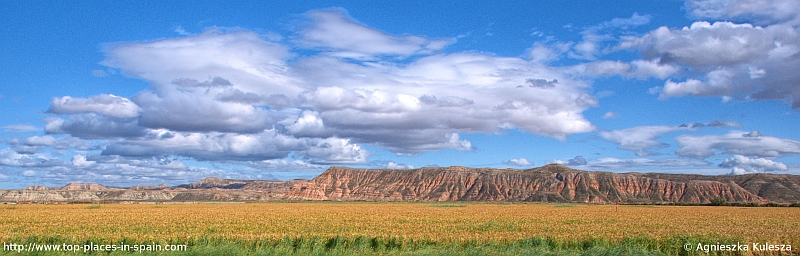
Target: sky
[{"x": 152, "y": 92}]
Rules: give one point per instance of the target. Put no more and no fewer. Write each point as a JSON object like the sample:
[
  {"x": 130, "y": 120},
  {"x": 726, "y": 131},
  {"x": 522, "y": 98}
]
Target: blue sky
[{"x": 150, "y": 92}]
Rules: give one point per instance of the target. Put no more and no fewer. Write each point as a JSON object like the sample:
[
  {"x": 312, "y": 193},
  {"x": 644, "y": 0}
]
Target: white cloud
[
  {"x": 484, "y": 91},
  {"x": 309, "y": 124},
  {"x": 106, "y": 104},
  {"x": 397, "y": 166},
  {"x": 209, "y": 146},
  {"x": 595, "y": 37},
  {"x": 80, "y": 161},
  {"x": 763, "y": 11},
  {"x": 610, "y": 114},
  {"x": 336, "y": 151},
  {"x": 576, "y": 161},
  {"x": 9, "y": 157},
  {"x": 705, "y": 44},
  {"x": 334, "y": 31},
  {"x": 652, "y": 68},
  {"x": 20, "y": 128},
  {"x": 518, "y": 162},
  {"x": 242, "y": 58},
  {"x": 33, "y": 144},
  {"x": 717, "y": 83},
  {"x": 641, "y": 138},
  {"x": 610, "y": 163},
  {"x": 94, "y": 126},
  {"x": 736, "y": 143},
  {"x": 624, "y": 23},
  {"x": 213, "y": 146},
  {"x": 40, "y": 141},
  {"x": 286, "y": 165},
  {"x": 543, "y": 54},
  {"x": 179, "y": 110},
  {"x": 586, "y": 49},
  {"x": 122, "y": 171},
  {"x": 407, "y": 107},
  {"x": 741, "y": 165},
  {"x": 601, "y": 68},
  {"x": 29, "y": 173},
  {"x": 724, "y": 59},
  {"x": 235, "y": 96}
]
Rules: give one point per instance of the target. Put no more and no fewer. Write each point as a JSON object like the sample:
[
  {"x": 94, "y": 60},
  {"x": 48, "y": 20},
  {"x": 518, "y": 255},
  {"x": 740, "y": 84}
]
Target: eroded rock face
[
  {"x": 85, "y": 186},
  {"x": 551, "y": 183}
]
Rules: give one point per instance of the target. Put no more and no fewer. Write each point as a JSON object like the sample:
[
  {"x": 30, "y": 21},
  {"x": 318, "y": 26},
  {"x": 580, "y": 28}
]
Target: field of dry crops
[{"x": 435, "y": 222}]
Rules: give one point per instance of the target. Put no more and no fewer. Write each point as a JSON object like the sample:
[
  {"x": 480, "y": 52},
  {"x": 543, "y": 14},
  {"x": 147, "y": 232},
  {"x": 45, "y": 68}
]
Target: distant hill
[{"x": 551, "y": 183}]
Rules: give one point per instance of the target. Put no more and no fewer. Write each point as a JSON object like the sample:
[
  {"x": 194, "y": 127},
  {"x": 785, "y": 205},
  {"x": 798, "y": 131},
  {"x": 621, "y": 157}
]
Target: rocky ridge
[{"x": 551, "y": 183}]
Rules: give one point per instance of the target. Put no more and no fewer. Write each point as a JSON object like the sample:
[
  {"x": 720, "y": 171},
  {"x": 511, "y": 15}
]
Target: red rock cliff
[{"x": 551, "y": 183}]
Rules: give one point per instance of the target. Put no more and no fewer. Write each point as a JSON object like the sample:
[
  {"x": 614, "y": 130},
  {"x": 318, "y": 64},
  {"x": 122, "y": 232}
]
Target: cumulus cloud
[
  {"x": 214, "y": 146},
  {"x": 208, "y": 146},
  {"x": 94, "y": 126},
  {"x": 742, "y": 165},
  {"x": 80, "y": 161},
  {"x": 652, "y": 68},
  {"x": 242, "y": 58},
  {"x": 336, "y": 151},
  {"x": 105, "y": 104},
  {"x": 727, "y": 59},
  {"x": 33, "y": 144},
  {"x": 9, "y": 157},
  {"x": 736, "y": 143},
  {"x": 518, "y": 162},
  {"x": 179, "y": 110},
  {"x": 487, "y": 85},
  {"x": 234, "y": 82},
  {"x": 235, "y": 96}
]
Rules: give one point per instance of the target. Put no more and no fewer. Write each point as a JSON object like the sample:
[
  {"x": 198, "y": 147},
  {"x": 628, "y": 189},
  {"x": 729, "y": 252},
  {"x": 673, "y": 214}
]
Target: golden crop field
[{"x": 435, "y": 222}]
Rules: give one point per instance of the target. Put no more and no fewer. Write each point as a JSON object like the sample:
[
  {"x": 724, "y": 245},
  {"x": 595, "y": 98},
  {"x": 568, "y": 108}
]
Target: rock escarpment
[{"x": 551, "y": 183}]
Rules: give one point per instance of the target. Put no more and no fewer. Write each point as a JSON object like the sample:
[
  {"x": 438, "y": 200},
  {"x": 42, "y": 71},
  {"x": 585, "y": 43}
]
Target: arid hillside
[{"x": 551, "y": 183}]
